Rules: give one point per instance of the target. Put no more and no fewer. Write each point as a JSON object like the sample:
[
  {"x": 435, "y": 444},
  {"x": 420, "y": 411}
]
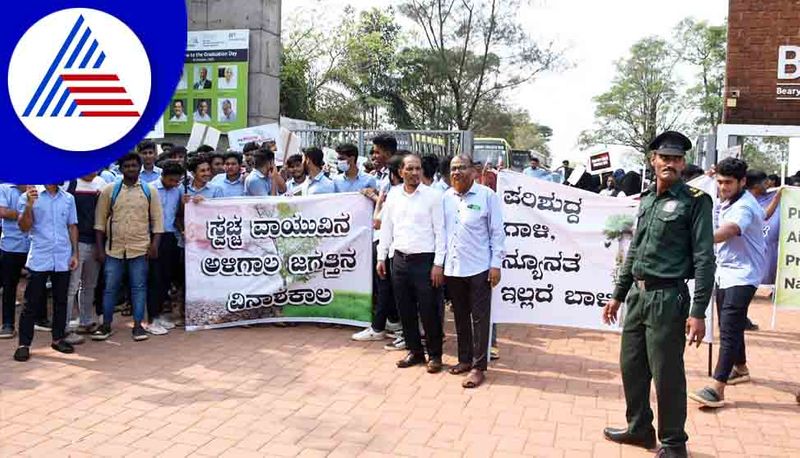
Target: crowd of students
[{"x": 115, "y": 237}]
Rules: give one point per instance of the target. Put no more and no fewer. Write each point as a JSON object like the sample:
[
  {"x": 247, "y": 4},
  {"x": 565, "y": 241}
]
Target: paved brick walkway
[{"x": 312, "y": 392}]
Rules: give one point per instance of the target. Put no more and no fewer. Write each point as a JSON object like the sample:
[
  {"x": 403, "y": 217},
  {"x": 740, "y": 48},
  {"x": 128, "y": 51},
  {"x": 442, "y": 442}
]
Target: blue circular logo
[{"x": 86, "y": 81}]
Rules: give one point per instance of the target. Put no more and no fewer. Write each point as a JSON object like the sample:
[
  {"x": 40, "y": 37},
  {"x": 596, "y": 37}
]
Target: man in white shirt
[
  {"x": 413, "y": 228},
  {"x": 475, "y": 248}
]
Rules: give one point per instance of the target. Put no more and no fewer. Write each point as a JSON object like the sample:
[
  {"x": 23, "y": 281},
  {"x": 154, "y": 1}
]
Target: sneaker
[
  {"x": 737, "y": 377},
  {"x": 102, "y": 332},
  {"x": 369, "y": 335},
  {"x": 74, "y": 339},
  {"x": 708, "y": 397},
  {"x": 139, "y": 333},
  {"x": 392, "y": 326},
  {"x": 165, "y": 323},
  {"x": 43, "y": 326},
  {"x": 7, "y": 332},
  {"x": 494, "y": 353},
  {"x": 22, "y": 354},
  {"x": 155, "y": 328},
  {"x": 398, "y": 344},
  {"x": 86, "y": 329},
  {"x": 63, "y": 346}
]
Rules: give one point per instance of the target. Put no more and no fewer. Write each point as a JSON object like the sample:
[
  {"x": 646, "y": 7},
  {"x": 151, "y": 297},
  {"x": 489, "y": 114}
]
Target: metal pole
[{"x": 710, "y": 356}]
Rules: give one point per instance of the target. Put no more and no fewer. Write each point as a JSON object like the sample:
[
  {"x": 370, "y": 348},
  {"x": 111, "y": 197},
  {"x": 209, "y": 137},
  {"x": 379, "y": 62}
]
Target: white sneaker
[
  {"x": 156, "y": 329},
  {"x": 368, "y": 335},
  {"x": 393, "y": 327},
  {"x": 399, "y": 344},
  {"x": 165, "y": 323},
  {"x": 74, "y": 339}
]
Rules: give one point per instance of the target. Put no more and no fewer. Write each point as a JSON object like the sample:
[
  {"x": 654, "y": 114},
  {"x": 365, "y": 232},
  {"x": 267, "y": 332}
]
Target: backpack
[{"x": 114, "y": 194}]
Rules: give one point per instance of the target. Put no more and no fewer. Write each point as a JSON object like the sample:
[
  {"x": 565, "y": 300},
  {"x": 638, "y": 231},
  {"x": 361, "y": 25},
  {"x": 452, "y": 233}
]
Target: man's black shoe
[
  {"x": 672, "y": 452},
  {"x": 622, "y": 436},
  {"x": 750, "y": 326},
  {"x": 62, "y": 346},
  {"x": 22, "y": 354},
  {"x": 411, "y": 359}
]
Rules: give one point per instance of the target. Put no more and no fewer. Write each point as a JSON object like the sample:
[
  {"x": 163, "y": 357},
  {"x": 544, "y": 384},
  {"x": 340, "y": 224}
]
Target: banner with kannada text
[
  {"x": 258, "y": 260},
  {"x": 563, "y": 247},
  {"x": 787, "y": 283}
]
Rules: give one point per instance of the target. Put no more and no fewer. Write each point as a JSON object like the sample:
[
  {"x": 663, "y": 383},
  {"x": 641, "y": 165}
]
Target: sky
[{"x": 594, "y": 34}]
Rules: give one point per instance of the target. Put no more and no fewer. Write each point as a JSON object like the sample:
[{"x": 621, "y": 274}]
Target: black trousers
[
  {"x": 161, "y": 273},
  {"x": 383, "y": 295},
  {"x": 415, "y": 295},
  {"x": 36, "y": 303},
  {"x": 472, "y": 298},
  {"x": 732, "y": 305},
  {"x": 11, "y": 265}
]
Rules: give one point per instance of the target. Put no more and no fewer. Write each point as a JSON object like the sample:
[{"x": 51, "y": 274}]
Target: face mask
[{"x": 343, "y": 166}]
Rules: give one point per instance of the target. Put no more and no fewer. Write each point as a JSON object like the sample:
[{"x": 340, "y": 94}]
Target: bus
[{"x": 495, "y": 151}]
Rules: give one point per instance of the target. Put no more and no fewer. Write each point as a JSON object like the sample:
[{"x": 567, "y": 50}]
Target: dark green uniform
[{"x": 674, "y": 241}]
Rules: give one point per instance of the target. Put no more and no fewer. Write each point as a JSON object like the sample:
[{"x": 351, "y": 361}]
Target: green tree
[
  {"x": 368, "y": 69},
  {"x": 482, "y": 50},
  {"x": 704, "y": 47},
  {"x": 765, "y": 153},
  {"x": 643, "y": 99}
]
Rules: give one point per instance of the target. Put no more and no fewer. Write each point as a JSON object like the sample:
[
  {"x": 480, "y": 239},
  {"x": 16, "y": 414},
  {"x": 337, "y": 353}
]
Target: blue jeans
[{"x": 137, "y": 278}]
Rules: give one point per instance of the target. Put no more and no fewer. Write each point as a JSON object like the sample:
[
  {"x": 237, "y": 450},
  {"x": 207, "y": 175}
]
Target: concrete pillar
[{"x": 263, "y": 18}]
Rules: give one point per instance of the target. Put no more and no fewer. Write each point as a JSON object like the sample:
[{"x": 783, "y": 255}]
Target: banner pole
[{"x": 775, "y": 305}]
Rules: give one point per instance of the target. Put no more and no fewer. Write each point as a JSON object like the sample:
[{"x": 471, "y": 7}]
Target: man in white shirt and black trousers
[{"x": 413, "y": 227}]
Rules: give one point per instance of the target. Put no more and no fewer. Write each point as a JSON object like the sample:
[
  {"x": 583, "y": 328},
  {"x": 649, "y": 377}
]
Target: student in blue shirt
[
  {"x": 741, "y": 258},
  {"x": 14, "y": 245},
  {"x": 297, "y": 175},
  {"x": 200, "y": 188},
  {"x": 317, "y": 182},
  {"x": 473, "y": 220},
  {"x": 217, "y": 163},
  {"x": 162, "y": 270},
  {"x": 231, "y": 181},
  {"x": 264, "y": 179},
  {"x": 351, "y": 179},
  {"x": 51, "y": 219},
  {"x": 535, "y": 171},
  {"x": 147, "y": 151}
]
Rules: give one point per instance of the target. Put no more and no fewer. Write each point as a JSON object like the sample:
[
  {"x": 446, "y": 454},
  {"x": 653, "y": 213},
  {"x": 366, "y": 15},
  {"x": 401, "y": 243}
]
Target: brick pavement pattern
[{"x": 308, "y": 392}]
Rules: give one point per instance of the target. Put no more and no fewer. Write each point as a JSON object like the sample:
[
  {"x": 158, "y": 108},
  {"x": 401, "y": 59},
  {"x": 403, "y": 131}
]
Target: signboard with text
[{"x": 213, "y": 85}]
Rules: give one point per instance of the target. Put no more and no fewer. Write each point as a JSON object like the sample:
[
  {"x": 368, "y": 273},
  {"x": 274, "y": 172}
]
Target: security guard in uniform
[{"x": 674, "y": 241}]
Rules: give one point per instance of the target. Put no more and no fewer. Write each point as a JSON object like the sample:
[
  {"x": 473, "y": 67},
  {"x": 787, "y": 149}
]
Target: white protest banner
[
  {"x": 259, "y": 134},
  {"x": 576, "y": 175},
  {"x": 257, "y": 260},
  {"x": 787, "y": 283},
  {"x": 203, "y": 134},
  {"x": 563, "y": 247},
  {"x": 158, "y": 130}
]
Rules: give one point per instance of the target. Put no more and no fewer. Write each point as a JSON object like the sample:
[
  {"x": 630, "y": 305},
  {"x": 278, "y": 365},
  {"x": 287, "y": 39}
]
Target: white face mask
[{"x": 343, "y": 166}]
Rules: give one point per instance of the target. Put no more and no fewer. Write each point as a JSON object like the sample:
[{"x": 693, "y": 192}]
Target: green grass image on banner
[{"x": 346, "y": 305}]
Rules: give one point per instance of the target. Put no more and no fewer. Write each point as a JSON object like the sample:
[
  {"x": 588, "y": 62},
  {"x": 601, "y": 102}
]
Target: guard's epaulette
[{"x": 694, "y": 192}]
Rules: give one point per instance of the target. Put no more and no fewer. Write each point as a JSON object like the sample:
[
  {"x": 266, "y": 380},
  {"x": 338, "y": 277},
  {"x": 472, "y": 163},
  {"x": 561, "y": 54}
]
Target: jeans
[
  {"x": 36, "y": 302},
  {"x": 11, "y": 265},
  {"x": 137, "y": 278},
  {"x": 82, "y": 283},
  {"x": 160, "y": 274},
  {"x": 732, "y": 305}
]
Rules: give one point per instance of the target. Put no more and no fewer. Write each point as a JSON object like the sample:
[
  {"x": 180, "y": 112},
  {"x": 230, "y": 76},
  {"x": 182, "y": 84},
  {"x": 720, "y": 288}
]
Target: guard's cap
[{"x": 670, "y": 143}]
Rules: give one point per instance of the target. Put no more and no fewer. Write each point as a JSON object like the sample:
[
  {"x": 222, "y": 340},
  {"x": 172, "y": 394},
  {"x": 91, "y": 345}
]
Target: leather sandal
[
  {"x": 460, "y": 368},
  {"x": 474, "y": 379}
]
